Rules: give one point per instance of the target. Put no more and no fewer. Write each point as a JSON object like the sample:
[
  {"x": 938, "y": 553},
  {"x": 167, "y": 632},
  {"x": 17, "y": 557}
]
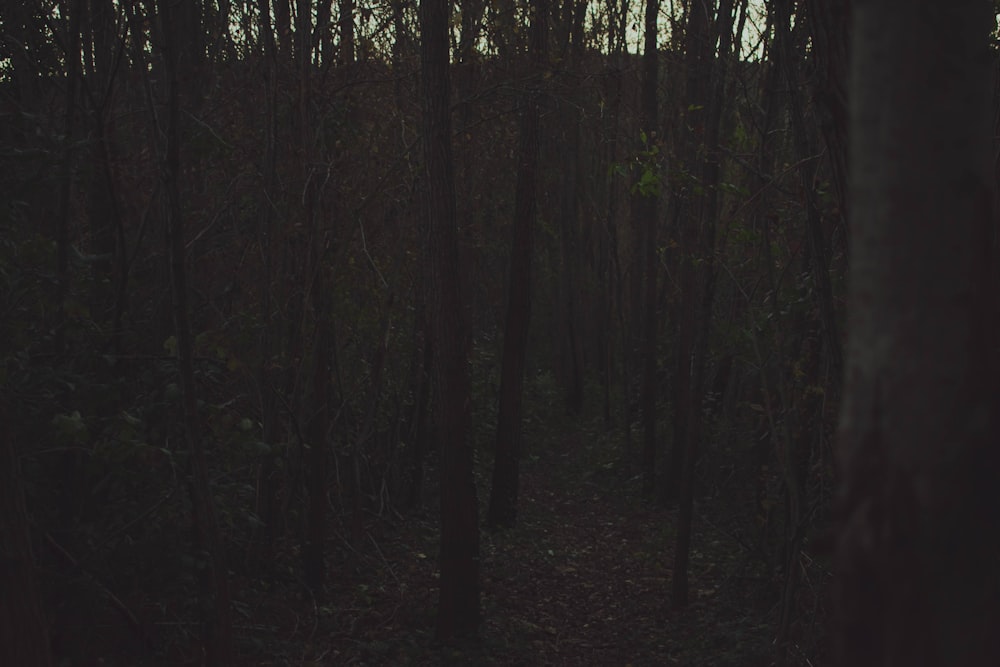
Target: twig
[{"x": 126, "y": 613}]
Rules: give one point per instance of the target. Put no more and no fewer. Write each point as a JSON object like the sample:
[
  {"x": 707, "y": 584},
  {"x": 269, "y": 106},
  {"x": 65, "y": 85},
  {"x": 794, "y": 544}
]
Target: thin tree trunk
[
  {"x": 698, "y": 65},
  {"x": 567, "y": 40},
  {"x": 608, "y": 243},
  {"x": 314, "y": 546},
  {"x": 458, "y": 607},
  {"x": 828, "y": 21},
  {"x": 24, "y": 636},
  {"x": 314, "y": 551},
  {"x": 283, "y": 27},
  {"x": 346, "y": 9},
  {"x": 266, "y": 505},
  {"x": 819, "y": 257},
  {"x": 647, "y": 212},
  {"x": 324, "y": 35},
  {"x": 503, "y": 497},
  {"x": 106, "y": 226},
  {"x": 72, "y": 14},
  {"x": 702, "y": 284},
  {"x": 215, "y": 599},
  {"x": 790, "y": 447},
  {"x": 69, "y": 461},
  {"x": 422, "y": 387}
]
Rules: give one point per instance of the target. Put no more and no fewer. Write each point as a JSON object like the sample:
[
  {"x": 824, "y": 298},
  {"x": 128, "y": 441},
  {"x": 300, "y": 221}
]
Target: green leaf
[
  {"x": 170, "y": 345},
  {"x": 69, "y": 429}
]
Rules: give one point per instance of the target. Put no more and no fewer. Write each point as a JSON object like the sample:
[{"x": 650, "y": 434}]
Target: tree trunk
[
  {"x": 702, "y": 280},
  {"x": 24, "y": 636},
  {"x": 283, "y": 26},
  {"x": 266, "y": 504},
  {"x": 215, "y": 600},
  {"x": 458, "y": 607},
  {"x": 567, "y": 42},
  {"x": 828, "y": 23},
  {"x": 419, "y": 431},
  {"x": 316, "y": 281},
  {"x": 797, "y": 430},
  {"x": 313, "y": 550},
  {"x": 346, "y": 9},
  {"x": 819, "y": 257},
  {"x": 71, "y": 10},
  {"x": 918, "y": 511},
  {"x": 698, "y": 66},
  {"x": 646, "y": 212},
  {"x": 503, "y": 497}
]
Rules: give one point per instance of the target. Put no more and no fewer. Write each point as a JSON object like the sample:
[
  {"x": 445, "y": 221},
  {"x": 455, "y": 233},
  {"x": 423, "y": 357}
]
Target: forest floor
[{"x": 583, "y": 579}]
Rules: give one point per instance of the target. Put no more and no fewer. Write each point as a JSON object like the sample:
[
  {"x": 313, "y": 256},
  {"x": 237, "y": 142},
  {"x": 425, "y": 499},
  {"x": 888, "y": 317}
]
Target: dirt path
[{"x": 583, "y": 579}]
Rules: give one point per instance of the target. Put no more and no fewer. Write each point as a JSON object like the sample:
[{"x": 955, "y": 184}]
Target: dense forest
[{"x": 519, "y": 332}]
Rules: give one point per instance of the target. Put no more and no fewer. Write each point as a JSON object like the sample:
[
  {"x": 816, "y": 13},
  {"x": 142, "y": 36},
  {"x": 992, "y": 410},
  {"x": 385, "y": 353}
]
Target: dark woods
[{"x": 297, "y": 294}]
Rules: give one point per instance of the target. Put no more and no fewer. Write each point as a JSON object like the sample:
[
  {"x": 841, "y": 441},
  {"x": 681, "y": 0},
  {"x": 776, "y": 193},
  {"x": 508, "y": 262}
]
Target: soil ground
[{"x": 583, "y": 579}]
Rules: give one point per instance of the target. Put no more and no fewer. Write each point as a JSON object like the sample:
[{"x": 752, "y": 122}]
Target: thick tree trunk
[
  {"x": 458, "y": 607},
  {"x": 918, "y": 510}
]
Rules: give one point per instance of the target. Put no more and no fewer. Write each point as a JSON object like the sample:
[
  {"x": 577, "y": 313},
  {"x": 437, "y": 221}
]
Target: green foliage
[
  {"x": 648, "y": 165},
  {"x": 68, "y": 430},
  {"x": 644, "y": 169}
]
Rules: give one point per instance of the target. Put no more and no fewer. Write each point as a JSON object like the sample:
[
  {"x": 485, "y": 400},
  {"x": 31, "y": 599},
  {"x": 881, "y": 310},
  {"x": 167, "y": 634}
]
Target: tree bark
[
  {"x": 503, "y": 497},
  {"x": 828, "y": 22},
  {"x": 215, "y": 598},
  {"x": 702, "y": 279},
  {"x": 24, "y": 636},
  {"x": 569, "y": 345},
  {"x": 918, "y": 511},
  {"x": 698, "y": 55},
  {"x": 458, "y": 607},
  {"x": 266, "y": 504},
  {"x": 71, "y": 10},
  {"x": 314, "y": 549},
  {"x": 646, "y": 212},
  {"x": 819, "y": 256},
  {"x": 346, "y": 21}
]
